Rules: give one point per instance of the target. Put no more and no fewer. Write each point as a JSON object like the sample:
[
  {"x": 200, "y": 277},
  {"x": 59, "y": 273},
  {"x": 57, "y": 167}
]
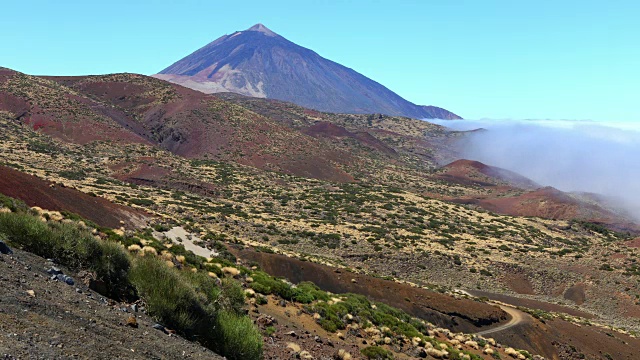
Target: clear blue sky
[{"x": 497, "y": 59}]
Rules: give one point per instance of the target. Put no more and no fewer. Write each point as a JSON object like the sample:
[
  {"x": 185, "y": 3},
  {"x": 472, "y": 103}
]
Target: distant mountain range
[{"x": 260, "y": 63}]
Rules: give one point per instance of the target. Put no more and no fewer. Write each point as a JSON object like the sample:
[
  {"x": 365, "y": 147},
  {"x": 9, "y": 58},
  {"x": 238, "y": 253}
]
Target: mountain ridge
[{"x": 260, "y": 63}]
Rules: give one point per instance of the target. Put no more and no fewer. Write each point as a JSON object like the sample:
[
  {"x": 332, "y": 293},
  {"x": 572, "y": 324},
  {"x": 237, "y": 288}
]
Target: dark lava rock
[
  {"x": 65, "y": 279},
  {"x": 5, "y": 249},
  {"x": 160, "y": 327},
  {"x": 54, "y": 271}
]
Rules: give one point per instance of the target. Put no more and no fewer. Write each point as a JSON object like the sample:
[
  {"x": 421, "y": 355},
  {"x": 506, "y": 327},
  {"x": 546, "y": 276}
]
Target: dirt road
[{"x": 517, "y": 317}]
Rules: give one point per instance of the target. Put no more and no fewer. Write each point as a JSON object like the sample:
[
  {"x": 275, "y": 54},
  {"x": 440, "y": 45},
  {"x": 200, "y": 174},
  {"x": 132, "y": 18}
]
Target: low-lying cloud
[{"x": 582, "y": 156}]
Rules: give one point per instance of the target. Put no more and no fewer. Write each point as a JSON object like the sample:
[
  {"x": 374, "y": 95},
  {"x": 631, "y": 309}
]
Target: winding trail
[{"x": 517, "y": 317}]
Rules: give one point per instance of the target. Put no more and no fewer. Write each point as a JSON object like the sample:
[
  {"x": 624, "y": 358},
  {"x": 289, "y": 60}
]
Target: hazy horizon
[{"x": 576, "y": 156}]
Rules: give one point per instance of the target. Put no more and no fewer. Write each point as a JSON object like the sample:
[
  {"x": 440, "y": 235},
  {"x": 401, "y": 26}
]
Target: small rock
[
  {"x": 160, "y": 327},
  {"x": 5, "y": 249},
  {"x": 65, "y": 279},
  {"x": 54, "y": 271},
  {"x": 305, "y": 355},
  {"x": 134, "y": 307},
  {"x": 293, "y": 348},
  {"x": 31, "y": 293},
  {"x": 78, "y": 291},
  {"x": 131, "y": 321},
  {"x": 266, "y": 320},
  {"x": 290, "y": 333}
]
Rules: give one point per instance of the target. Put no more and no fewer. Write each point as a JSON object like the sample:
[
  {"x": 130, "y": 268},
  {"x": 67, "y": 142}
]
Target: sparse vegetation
[
  {"x": 187, "y": 301},
  {"x": 70, "y": 245}
]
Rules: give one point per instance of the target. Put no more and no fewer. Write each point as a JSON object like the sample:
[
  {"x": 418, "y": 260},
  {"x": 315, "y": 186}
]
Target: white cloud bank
[{"x": 584, "y": 156}]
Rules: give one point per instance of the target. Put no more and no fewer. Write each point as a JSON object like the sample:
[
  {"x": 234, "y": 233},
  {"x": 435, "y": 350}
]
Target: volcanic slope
[
  {"x": 260, "y": 63},
  {"x": 130, "y": 108},
  {"x": 392, "y": 222}
]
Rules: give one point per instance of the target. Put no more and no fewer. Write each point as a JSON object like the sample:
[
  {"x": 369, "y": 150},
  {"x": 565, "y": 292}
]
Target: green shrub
[
  {"x": 240, "y": 339},
  {"x": 12, "y": 204},
  {"x": 191, "y": 303},
  {"x": 266, "y": 284},
  {"x": 71, "y": 246},
  {"x": 306, "y": 292},
  {"x": 142, "y": 202},
  {"x": 261, "y": 300},
  {"x": 172, "y": 300},
  {"x": 270, "y": 330},
  {"x": 113, "y": 269},
  {"x": 190, "y": 257},
  {"x": 73, "y": 175},
  {"x": 232, "y": 297},
  {"x": 376, "y": 352}
]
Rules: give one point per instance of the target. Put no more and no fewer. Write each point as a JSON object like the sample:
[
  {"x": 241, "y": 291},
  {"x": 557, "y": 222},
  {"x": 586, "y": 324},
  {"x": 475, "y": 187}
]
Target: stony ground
[{"x": 42, "y": 318}]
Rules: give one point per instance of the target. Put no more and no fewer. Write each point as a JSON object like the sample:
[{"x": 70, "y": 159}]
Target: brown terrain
[
  {"x": 354, "y": 203},
  {"x": 515, "y": 195},
  {"x": 47, "y": 195},
  {"x": 456, "y": 314}
]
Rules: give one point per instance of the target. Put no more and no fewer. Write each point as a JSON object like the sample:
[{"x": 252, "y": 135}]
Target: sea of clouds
[{"x": 580, "y": 156}]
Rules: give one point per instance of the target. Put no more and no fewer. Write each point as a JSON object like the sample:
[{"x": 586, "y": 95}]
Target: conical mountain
[{"x": 260, "y": 63}]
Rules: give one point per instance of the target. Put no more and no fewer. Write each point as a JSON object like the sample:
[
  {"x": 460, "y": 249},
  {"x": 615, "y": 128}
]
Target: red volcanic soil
[
  {"x": 562, "y": 340},
  {"x": 63, "y": 113},
  {"x": 446, "y": 311},
  {"x": 531, "y": 304},
  {"x": 151, "y": 175},
  {"x": 324, "y": 128},
  {"x": 546, "y": 202},
  {"x": 633, "y": 243},
  {"x": 44, "y": 194},
  {"x": 550, "y": 203},
  {"x": 193, "y": 124},
  {"x": 555, "y": 339},
  {"x": 327, "y": 129},
  {"x": 559, "y": 339},
  {"x": 144, "y": 173},
  {"x": 576, "y": 293},
  {"x": 471, "y": 172},
  {"x": 519, "y": 283},
  {"x": 507, "y": 196}
]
